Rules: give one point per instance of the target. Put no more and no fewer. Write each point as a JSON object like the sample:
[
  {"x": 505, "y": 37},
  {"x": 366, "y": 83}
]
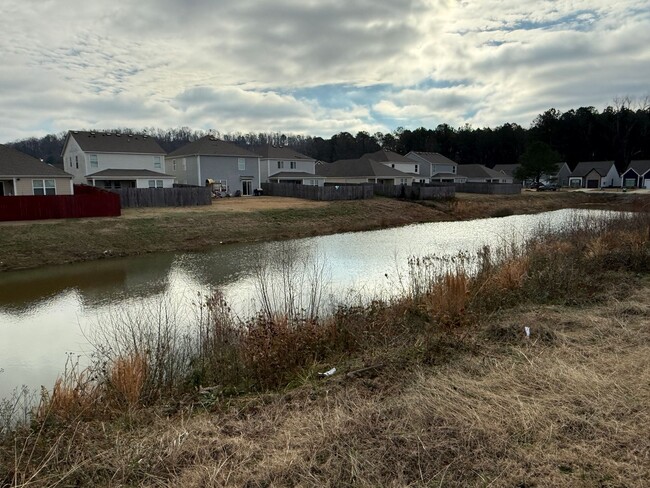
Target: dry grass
[
  {"x": 448, "y": 298},
  {"x": 127, "y": 379},
  {"x": 571, "y": 411}
]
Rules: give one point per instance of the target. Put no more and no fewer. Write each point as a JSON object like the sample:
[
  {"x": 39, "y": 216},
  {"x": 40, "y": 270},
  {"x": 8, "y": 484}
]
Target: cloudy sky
[{"x": 313, "y": 67}]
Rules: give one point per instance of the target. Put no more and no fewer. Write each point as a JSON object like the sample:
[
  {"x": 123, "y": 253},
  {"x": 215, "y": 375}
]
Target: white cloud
[{"x": 230, "y": 65}]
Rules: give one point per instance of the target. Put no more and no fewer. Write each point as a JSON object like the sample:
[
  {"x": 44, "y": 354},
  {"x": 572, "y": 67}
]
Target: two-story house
[
  {"x": 435, "y": 168},
  {"x": 115, "y": 160},
  {"x": 209, "y": 159},
  {"x": 281, "y": 164}
]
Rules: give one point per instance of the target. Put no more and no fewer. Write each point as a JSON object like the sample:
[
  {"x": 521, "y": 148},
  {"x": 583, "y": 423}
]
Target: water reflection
[{"x": 48, "y": 312}]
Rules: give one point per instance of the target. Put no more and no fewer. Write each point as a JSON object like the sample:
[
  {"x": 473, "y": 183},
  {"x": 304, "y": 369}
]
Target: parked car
[
  {"x": 547, "y": 187},
  {"x": 535, "y": 185}
]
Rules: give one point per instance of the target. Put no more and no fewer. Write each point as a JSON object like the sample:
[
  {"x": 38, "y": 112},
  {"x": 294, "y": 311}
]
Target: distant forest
[{"x": 621, "y": 133}]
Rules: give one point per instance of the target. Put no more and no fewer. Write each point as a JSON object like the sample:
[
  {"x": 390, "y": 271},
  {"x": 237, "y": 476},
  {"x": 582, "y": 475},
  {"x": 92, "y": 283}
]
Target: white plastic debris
[
  {"x": 327, "y": 373},
  {"x": 527, "y": 331}
]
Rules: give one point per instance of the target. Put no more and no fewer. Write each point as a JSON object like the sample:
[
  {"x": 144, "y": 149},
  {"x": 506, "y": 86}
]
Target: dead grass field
[
  {"x": 567, "y": 407},
  {"x": 146, "y": 230}
]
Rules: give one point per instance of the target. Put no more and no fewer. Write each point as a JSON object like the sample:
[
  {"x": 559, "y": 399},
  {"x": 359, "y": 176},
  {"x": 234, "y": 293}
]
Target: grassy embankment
[
  {"x": 438, "y": 387},
  {"x": 139, "y": 231}
]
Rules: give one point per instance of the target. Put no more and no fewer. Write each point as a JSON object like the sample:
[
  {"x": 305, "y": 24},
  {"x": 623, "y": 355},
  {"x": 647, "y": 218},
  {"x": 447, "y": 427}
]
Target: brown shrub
[
  {"x": 447, "y": 300},
  {"x": 127, "y": 379}
]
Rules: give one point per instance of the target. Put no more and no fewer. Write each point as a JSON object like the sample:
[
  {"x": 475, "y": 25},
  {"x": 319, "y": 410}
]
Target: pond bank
[{"x": 141, "y": 231}]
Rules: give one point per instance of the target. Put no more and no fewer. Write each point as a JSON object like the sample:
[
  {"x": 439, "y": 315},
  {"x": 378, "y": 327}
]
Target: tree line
[{"x": 621, "y": 132}]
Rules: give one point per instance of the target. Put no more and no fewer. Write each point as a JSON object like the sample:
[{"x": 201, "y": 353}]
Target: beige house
[{"x": 21, "y": 174}]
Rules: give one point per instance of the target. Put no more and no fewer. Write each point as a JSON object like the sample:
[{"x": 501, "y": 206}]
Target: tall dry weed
[
  {"x": 75, "y": 394},
  {"x": 127, "y": 379},
  {"x": 448, "y": 299}
]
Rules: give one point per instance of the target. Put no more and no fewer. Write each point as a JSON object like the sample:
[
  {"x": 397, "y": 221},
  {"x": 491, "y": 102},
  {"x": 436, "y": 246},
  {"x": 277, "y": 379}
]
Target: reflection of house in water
[{"x": 97, "y": 283}]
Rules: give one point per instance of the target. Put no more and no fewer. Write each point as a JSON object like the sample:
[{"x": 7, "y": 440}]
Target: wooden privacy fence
[
  {"x": 164, "y": 197},
  {"x": 333, "y": 192},
  {"x": 415, "y": 192},
  {"x": 489, "y": 188},
  {"x": 86, "y": 202}
]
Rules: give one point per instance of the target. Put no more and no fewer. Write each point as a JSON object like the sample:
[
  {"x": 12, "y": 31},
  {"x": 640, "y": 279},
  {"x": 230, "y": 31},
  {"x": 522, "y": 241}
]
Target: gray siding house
[
  {"x": 211, "y": 160},
  {"x": 281, "y": 164},
  {"x": 115, "y": 160},
  {"x": 436, "y": 168}
]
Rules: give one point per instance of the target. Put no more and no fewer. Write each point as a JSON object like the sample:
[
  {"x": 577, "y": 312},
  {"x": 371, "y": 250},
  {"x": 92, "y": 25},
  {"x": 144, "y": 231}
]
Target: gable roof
[
  {"x": 386, "y": 156},
  {"x": 506, "y": 169},
  {"x": 640, "y": 166},
  {"x": 584, "y": 168},
  {"x": 107, "y": 142},
  {"x": 269, "y": 151},
  {"x": 359, "y": 168},
  {"x": 432, "y": 157},
  {"x": 211, "y": 146},
  {"x": 478, "y": 171},
  {"x": 14, "y": 163}
]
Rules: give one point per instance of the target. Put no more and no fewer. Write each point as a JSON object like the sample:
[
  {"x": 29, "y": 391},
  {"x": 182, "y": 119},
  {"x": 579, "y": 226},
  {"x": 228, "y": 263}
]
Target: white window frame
[
  {"x": 94, "y": 162},
  {"x": 417, "y": 167},
  {"x": 173, "y": 165},
  {"x": 157, "y": 162},
  {"x": 48, "y": 187},
  {"x": 241, "y": 164},
  {"x": 292, "y": 165},
  {"x": 280, "y": 164},
  {"x": 155, "y": 183}
]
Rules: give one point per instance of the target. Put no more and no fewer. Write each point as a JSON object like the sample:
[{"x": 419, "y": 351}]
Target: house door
[{"x": 247, "y": 187}]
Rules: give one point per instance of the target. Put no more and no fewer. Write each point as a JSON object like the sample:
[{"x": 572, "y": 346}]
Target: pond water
[{"x": 48, "y": 314}]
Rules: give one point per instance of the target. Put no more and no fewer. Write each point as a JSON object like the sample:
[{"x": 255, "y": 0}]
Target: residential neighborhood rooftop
[
  {"x": 433, "y": 157},
  {"x": 270, "y": 151},
  {"x": 14, "y": 163},
  {"x": 211, "y": 146},
  {"x": 641, "y": 166},
  {"x": 583, "y": 168},
  {"x": 385, "y": 156},
  {"x": 130, "y": 173},
  {"x": 478, "y": 171},
  {"x": 110, "y": 142},
  {"x": 364, "y": 167}
]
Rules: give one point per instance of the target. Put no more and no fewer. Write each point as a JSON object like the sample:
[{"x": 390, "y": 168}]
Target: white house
[
  {"x": 22, "y": 175},
  {"x": 232, "y": 167},
  {"x": 115, "y": 160},
  {"x": 595, "y": 174},
  {"x": 436, "y": 168},
  {"x": 281, "y": 164}
]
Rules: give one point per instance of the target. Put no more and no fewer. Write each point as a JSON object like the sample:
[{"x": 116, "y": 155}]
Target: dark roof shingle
[
  {"x": 279, "y": 152},
  {"x": 211, "y": 146},
  {"x": 358, "y": 168},
  {"x": 128, "y": 173},
  {"x": 433, "y": 157},
  {"x": 106, "y": 142},
  {"x": 583, "y": 168},
  {"x": 14, "y": 163}
]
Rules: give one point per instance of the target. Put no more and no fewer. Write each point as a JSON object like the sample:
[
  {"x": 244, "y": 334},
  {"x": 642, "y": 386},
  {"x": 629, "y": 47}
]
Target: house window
[
  {"x": 93, "y": 161},
  {"x": 417, "y": 168},
  {"x": 44, "y": 187},
  {"x": 157, "y": 162},
  {"x": 184, "y": 164},
  {"x": 392, "y": 165},
  {"x": 174, "y": 164},
  {"x": 453, "y": 169},
  {"x": 280, "y": 164},
  {"x": 155, "y": 183},
  {"x": 76, "y": 160},
  {"x": 293, "y": 165},
  {"x": 70, "y": 158},
  {"x": 241, "y": 163}
]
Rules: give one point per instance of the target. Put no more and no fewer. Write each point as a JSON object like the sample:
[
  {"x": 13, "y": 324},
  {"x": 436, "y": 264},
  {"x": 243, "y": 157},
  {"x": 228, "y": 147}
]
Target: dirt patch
[{"x": 243, "y": 204}]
